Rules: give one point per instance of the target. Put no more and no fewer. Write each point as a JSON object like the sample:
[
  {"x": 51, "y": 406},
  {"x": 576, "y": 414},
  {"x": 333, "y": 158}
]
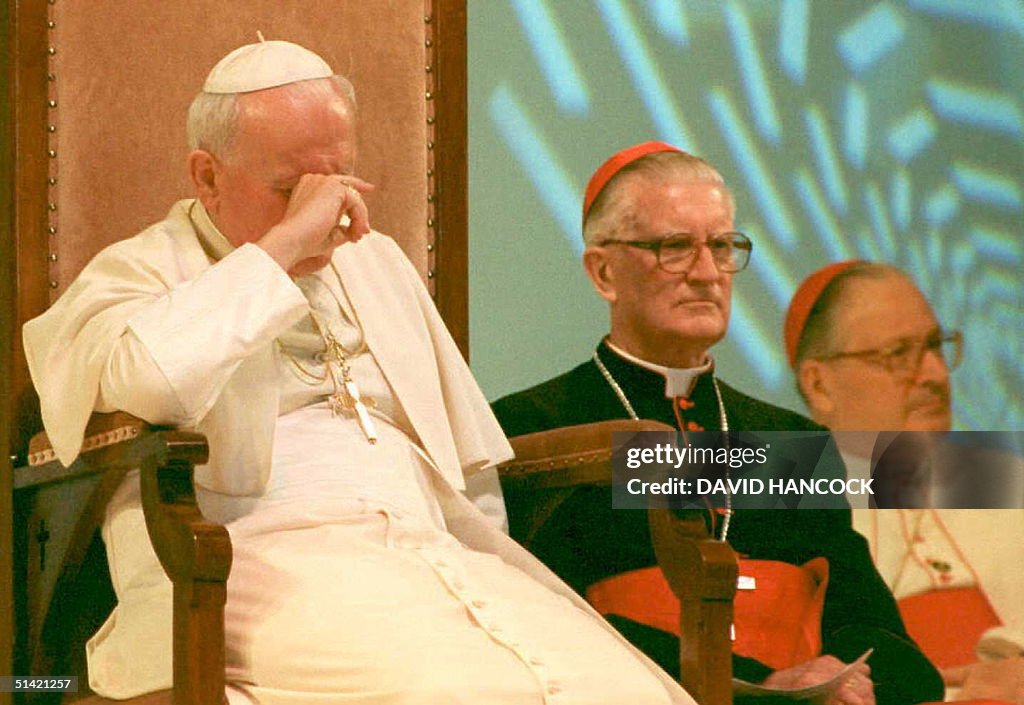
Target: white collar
[
  {"x": 678, "y": 380},
  {"x": 214, "y": 242}
]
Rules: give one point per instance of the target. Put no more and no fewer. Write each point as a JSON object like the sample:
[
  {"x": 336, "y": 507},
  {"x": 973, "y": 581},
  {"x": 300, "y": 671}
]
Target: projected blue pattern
[
  {"x": 668, "y": 17},
  {"x": 645, "y": 72},
  {"x": 855, "y": 119},
  {"x": 553, "y": 57},
  {"x": 845, "y": 129},
  {"x": 866, "y": 41},
  {"x": 976, "y": 107},
  {"x": 793, "y": 39},
  {"x": 538, "y": 161},
  {"x": 755, "y": 79},
  {"x": 746, "y": 153},
  {"x": 911, "y": 135}
]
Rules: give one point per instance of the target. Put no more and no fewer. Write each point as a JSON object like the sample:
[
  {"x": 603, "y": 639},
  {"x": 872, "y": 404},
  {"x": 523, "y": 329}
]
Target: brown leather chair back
[
  {"x": 99, "y": 92},
  {"x": 103, "y": 88}
]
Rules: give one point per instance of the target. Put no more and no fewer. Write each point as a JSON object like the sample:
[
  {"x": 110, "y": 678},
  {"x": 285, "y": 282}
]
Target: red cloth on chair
[
  {"x": 947, "y": 622},
  {"x": 778, "y": 623}
]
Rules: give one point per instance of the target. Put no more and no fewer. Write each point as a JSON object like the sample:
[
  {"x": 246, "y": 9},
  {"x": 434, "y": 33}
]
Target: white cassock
[
  {"x": 361, "y": 573},
  {"x": 918, "y": 550}
]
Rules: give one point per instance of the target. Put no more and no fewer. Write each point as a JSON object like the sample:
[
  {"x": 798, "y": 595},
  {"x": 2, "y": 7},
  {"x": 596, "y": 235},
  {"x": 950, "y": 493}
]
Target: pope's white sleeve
[
  {"x": 133, "y": 382},
  {"x": 177, "y": 352},
  {"x": 483, "y": 489}
]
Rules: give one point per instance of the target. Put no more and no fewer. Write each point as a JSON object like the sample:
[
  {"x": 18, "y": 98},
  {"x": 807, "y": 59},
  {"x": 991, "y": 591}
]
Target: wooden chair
[
  {"x": 195, "y": 553},
  {"x": 95, "y": 153},
  {"x": 701, "y": 571}
]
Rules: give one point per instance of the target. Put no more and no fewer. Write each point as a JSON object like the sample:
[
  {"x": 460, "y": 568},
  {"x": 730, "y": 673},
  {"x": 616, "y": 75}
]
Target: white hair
[
  {"x": 614, "y": 210},
  {"x": 213, "y": 117}
]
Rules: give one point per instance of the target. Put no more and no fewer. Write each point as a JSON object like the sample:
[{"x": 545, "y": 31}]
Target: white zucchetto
[{"x": 266, "y": 64}]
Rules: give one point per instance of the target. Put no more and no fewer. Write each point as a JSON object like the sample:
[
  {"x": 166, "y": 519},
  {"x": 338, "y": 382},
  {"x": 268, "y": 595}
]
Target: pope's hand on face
[{"x": 310, "y": 227}]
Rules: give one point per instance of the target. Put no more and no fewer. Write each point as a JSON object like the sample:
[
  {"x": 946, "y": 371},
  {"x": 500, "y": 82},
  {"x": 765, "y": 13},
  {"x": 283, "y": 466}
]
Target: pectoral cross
[{"x": 346, "y": 398}]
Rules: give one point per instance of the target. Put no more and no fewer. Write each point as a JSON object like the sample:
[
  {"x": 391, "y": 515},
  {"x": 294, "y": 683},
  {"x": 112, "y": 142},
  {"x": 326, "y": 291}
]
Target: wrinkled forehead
[
  {"x": 704, "y": 187},
  {"x": 882, "y": 308},
  {"x": 279, "y": 124},
  {"x": 658, "y": 202}
]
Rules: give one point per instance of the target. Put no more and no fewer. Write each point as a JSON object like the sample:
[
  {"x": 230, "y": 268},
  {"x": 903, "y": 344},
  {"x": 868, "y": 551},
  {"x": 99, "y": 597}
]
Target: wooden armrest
[
  {"x": 695, "y": 565},
  {"x": 188, "y": 545},
  {"x": 550, "y": 465},
  {"x": 116, "y": 440},
  {"x": 702, "y": 573},
  {"x": 114, "y": 444},
  {"x": 569, "y": 456},
  {"x": 103, "y": 430},
  {"x": 195, "y": 553}
]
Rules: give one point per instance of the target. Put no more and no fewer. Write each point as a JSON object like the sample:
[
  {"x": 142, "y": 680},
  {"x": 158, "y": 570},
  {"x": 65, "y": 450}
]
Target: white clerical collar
[
  {"x": 212, "y": 240},
  {"x": 678, "y": 380}
]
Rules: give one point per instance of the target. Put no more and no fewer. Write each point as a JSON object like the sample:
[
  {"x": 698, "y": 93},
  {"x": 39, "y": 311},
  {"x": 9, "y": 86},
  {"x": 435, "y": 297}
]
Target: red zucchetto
[
  {"x": 806, "y": 295},
  {"x": 615, "y": 164}
]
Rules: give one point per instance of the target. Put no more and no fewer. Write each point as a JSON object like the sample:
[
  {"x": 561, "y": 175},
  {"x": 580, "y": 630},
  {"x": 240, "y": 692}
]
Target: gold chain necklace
[
  {"x": 345, "y": 400},
  {"x": 314, "y": 378},
  {"x": 360, "y": 346}
]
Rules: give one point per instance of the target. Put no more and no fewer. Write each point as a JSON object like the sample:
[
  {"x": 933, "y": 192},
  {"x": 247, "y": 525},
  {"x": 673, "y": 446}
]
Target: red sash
[
  {"x": 778, "y": 622},
  {"x": 947, "y": 622}
]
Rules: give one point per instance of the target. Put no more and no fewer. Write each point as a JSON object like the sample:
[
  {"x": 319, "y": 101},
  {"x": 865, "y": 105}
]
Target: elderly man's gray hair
[
  {"x": 613, "y": 210},
  {"x": 213, "y": 117}
]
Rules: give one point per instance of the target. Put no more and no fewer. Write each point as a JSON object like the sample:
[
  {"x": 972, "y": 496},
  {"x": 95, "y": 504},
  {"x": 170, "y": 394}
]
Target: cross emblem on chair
[{"x": 42, "y": 537}]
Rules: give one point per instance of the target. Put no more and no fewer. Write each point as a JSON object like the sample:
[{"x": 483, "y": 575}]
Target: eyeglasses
[
  {"x": 677, "y": 253},
  {"x": 903, "y": 358}
]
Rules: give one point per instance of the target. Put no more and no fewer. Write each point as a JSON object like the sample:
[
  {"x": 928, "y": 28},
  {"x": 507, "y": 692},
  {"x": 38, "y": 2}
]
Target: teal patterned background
[{"x": 891, "y": 131}]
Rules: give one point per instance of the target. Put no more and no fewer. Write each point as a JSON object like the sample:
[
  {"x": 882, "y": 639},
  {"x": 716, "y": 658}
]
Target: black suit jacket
[{"x": 586, "y": 540}]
